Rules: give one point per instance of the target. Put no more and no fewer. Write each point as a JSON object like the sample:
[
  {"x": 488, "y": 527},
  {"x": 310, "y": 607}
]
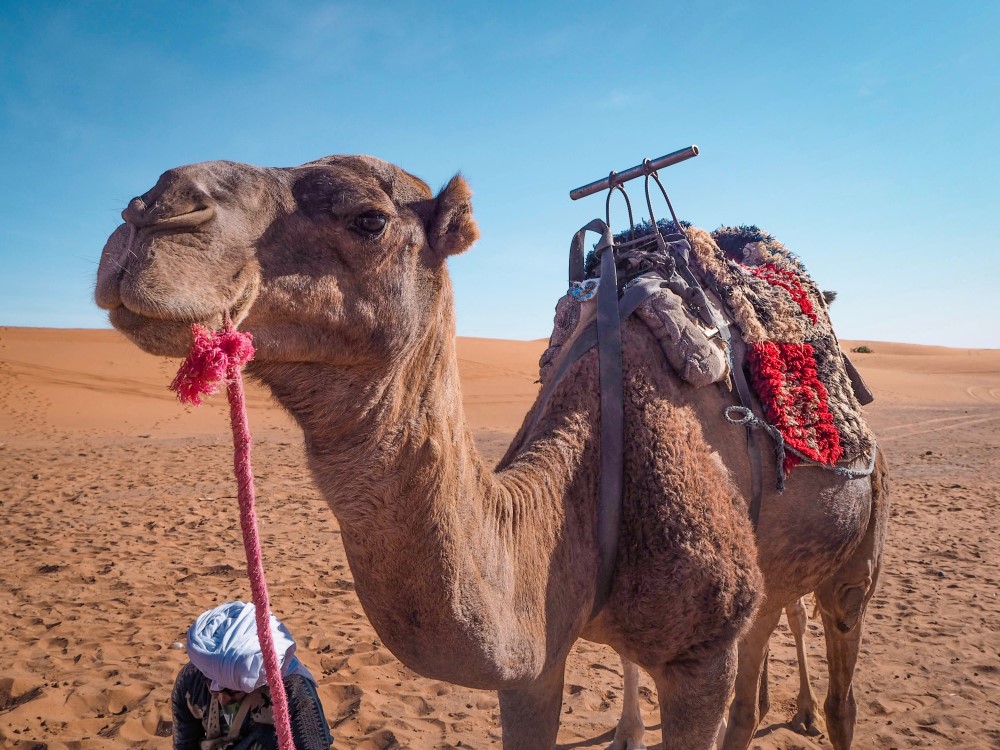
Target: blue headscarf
[{"x": 222, "y": 643}]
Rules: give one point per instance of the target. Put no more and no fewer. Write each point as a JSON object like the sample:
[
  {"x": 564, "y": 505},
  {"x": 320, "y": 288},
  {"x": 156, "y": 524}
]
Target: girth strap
[
  {"x": 576, "y": 269},
  {"x": 606, "y": 334}
]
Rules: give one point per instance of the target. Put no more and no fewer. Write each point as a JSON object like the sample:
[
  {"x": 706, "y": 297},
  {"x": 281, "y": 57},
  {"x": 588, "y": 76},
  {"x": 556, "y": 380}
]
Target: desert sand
[{"x": 118, "y": 525}]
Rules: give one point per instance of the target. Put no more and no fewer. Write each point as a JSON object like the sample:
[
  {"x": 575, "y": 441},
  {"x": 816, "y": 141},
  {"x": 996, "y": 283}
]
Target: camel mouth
[
  {"x": 168, "y": 333},
  {"x": 164, "y": 338}
]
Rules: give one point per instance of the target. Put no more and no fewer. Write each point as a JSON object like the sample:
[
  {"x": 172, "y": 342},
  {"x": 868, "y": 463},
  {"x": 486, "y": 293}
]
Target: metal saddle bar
[{"x": 647, "y": 167}]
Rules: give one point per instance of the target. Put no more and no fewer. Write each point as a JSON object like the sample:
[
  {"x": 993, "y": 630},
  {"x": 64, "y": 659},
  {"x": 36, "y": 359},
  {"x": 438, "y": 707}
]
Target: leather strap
[
  {"x": 609, "y": 352},
  {"x": 753, "y": 443},
  {"x": 576, "y": 269},
  {"x": 709, "y": 313},
  {"x": 609, "y": 499},
  {"x": 861, "y": 391},
  {"x": 606, "y": 334}
]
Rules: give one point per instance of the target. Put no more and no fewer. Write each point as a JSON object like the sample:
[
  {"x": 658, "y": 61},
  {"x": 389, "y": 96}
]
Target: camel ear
[{"x": 452, "y": 229}]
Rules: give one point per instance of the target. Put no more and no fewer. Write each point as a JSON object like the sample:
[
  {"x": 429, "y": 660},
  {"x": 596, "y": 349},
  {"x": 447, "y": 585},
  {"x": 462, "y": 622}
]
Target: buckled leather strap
[
  {"x": 576, "y": 269},
  {"x": 609, "y": 499},
  {"x": 753, "y": 444}
]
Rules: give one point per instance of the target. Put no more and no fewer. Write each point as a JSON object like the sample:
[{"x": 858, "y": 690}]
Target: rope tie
[
  {"x": 748, "y": 418},
  {"x": 218, "y": 357}
]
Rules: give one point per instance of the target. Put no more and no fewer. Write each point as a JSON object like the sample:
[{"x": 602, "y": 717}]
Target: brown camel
[{"x": 486, "y": 578}]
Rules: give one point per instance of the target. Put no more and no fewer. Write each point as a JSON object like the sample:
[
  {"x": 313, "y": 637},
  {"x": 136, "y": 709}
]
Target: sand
[{"x": 118, "y": 524}]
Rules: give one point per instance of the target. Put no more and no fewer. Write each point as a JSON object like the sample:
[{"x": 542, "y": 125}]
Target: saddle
[
  {"x": 810, "y": 393},
  {"x": 733, "y": 308}
]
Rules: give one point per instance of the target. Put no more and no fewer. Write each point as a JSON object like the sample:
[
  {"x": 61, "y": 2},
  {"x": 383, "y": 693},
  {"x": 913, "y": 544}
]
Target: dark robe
[{"x": 191, "y": 703}]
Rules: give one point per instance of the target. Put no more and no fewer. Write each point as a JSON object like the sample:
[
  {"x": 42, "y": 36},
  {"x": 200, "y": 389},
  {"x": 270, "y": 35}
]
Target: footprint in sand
[{"x": 14, "y": 693}]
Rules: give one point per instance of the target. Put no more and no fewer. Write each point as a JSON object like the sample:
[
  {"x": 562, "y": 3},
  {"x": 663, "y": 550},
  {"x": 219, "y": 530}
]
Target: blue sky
[{"x": 863, "y": 135}]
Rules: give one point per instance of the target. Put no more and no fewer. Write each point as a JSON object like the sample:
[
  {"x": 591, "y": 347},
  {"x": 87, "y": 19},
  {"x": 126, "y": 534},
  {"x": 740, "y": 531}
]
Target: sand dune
[
  {"x": 119, "y": 525},
  {"x": 934, "y": 374}
]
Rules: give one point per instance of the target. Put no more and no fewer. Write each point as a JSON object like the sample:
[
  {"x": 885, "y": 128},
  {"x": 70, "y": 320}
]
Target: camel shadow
[
  {"x": 770, "y": 729},
  {"x": 602, "y": 740}
]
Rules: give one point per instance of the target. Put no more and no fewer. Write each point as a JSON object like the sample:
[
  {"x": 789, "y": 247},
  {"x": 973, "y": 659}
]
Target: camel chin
[{"x": 163, "y": 338}]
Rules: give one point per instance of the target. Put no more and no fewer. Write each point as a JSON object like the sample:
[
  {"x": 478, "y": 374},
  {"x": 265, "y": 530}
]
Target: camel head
[{"x": 340, "y": 260}]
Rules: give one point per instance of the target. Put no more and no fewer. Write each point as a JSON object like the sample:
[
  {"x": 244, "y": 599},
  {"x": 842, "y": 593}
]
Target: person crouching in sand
[{"x": 220, "y": 699}]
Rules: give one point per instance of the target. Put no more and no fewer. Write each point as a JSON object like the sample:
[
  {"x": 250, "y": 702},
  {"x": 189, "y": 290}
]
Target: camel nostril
[{"x": 134, "y": 211}]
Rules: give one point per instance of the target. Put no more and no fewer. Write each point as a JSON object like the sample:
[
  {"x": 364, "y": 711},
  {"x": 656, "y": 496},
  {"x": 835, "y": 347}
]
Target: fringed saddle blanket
[
  {"x": 796, "y": 366},
  {"x": 794, "y": 360}
]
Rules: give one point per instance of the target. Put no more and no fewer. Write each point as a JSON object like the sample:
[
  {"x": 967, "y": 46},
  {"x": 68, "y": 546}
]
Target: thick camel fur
[
  {"x": 476, "y": 576},
  {"x": 631, "y": 729}
]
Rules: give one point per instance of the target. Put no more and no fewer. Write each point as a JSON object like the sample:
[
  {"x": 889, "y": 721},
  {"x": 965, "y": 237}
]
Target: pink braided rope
[{"x": 216, "y": 357}]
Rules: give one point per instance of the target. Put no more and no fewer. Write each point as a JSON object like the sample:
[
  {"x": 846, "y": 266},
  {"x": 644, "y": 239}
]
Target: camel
[
  {"x": 630, "y": 729},
  {"x": 478, "y": 577}
]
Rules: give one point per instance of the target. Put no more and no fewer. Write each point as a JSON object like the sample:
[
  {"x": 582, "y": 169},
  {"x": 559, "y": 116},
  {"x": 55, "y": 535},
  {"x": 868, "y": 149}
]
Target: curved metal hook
[
  {"x": 628, "y": 205},
  {"x": 673, "y": 214}
]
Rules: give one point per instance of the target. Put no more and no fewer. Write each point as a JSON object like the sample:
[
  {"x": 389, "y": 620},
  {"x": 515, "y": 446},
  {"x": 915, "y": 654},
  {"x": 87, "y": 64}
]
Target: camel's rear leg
[
  {"x": 529, "y": 716},
  {"x": 630, "y": 730},
  {"x": 806, "y": 720},
  {"x": 693, "y": 699},
  {"x": 843, "y": 600},
  {"x": 843, "y": 641}
]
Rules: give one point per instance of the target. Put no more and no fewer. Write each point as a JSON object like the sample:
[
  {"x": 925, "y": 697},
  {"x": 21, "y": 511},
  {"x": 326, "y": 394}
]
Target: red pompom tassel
[
  {"x": 214, "y": 359},
  {"x": 795, "y": 400}
]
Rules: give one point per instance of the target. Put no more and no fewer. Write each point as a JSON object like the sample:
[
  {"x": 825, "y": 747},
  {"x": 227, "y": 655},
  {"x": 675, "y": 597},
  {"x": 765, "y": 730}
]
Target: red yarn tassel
[
  {"x": 216, "y": 357},
  {"x": 795, "y": 400}
]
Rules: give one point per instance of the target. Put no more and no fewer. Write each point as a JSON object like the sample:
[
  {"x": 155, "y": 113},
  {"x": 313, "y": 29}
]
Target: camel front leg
[
  {"x": 529, "y": 716},
  {"x": 744, "y": 714},
  {"x": 806, "y": 719},
  {"x": 764, "y": 694},
  {"x": 693, "y": 699},
  {"x": 630, "y": 730}
]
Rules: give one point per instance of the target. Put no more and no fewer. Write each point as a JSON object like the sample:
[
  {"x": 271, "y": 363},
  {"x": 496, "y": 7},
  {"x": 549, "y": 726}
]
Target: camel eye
[{"x": 371, "y": 223}]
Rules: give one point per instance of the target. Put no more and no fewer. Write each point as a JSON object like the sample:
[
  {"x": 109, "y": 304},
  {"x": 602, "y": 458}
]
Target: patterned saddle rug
[{"x": 794, "y": 362}]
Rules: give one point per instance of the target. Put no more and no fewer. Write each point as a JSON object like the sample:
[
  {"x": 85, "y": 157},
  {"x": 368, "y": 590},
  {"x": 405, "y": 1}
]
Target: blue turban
[{"x": 222, "y": 643}]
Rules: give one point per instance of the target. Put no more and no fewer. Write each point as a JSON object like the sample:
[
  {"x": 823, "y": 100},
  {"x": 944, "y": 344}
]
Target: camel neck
[{"x": 436, "y": 541}]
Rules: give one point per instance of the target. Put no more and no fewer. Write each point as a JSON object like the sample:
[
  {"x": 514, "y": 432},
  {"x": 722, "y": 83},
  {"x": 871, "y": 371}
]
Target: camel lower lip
[
  {"x": 123, "y": 317},
  {"x": 167, "y": 338}
]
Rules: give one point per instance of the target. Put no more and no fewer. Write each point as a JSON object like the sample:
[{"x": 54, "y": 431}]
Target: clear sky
[{"x": 863, "y": 135}]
